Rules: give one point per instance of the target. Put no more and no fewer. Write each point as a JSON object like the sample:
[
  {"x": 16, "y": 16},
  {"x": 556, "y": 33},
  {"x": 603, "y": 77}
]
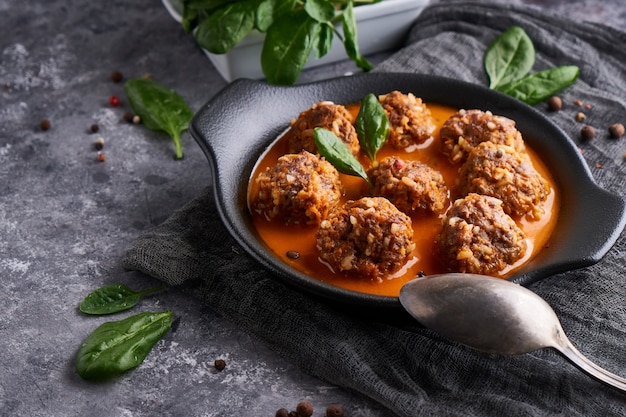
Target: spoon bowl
[{"x": 494, "y": 316}]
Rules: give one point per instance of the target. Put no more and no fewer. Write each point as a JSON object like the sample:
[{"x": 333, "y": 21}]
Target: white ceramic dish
[{"x": 381, "y": 27}]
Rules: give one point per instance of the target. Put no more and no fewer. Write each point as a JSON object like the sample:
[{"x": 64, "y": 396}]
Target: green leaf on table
[
  {"x": 372, "y": 126},
  {"x": 227, "y": 26},
  {"x": 350, "y": 38},
  {"x": 338, "y": 154},
  {"x": 115, "y": 347},
  {"x": 287, "y": 46},
  {"x": 509, "y": 57},
  {"x": 539, "y": 86},
  {"x": 112, "y": 299},
  {"x": 160, "y": 108}
]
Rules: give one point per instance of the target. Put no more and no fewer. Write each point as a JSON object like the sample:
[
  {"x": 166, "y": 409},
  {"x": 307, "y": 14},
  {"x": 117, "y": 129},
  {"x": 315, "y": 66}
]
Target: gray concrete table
[{"x": 66, "y": 218}]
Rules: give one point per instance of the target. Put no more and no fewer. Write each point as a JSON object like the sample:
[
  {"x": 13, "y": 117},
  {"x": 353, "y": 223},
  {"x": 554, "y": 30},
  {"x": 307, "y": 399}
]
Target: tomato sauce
[{"x": 282, "y": 239}]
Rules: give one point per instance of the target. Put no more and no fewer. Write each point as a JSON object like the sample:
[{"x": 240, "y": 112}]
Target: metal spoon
[{"x": 494, "y": 316}]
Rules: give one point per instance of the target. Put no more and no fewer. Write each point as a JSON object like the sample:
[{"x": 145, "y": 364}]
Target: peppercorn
[
  {"x": 114, "y": 101},
  {"x": 555, "y": 103},
  {"x": 128, "y": 117},
  {"x": 616, "y": 130},
  {"x": 136, "y": 119},
  {"x": 578, "y": 102},
  {"x": 101, "y": 156},
  {"x": 334, "y": 410},
  {"x": 116, "y": 76},
  {"x": 580, "y": 116},
  {"x": 282, "y": 412},
  {"x": 99, "y": 144},
  {"x": 220, "y": 364},
  {"x": 293, "y": 414},
  {"x": 587, "y": 132},
  {"x": 304, "y": 409},
  {"x": 293, "y": 254},
  {"x": 94, "y": 128},
  {"x": 44, "y": 124}
]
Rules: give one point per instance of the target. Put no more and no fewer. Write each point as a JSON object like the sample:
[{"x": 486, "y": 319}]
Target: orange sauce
[{"x": 281, "y": 238}]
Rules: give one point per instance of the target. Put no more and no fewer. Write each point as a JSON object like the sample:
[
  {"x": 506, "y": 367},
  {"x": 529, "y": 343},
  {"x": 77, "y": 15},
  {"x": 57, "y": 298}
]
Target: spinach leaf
[
  {"x": 508, "y": 60},
  {"x": 509, "y": 57},
  {"x": 264, "y": 16},
  {"x": 160, "y": 108},
  {"x": 350, "y": 40},
  {"x": 112, "y": 299},
  {"x": 287, "y": 47},
  {"x": 115, "y": 347},
  {"x": 324, "y": 41},
  {"x": 338, "y": 154},
  {"x": 372, "y": 126},
  {"x": 539, "y": 86},
  {"x": 321, "y": 10},
  {"x": 226, "y": 27}
]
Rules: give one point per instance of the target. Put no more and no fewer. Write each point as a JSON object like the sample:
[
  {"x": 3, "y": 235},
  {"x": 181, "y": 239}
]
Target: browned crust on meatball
[
  {"x": 502, "y": 172},
  {"x": 300, "y": 188},
  {"x": 479, "y": 237},
  {"x": 410, "y": 120},
  {"x": 367, "y": 238},
  {"x": 411, "y": 186},
  {"x": 327, "y": 115},
  {"x": 465, "y": 129}
]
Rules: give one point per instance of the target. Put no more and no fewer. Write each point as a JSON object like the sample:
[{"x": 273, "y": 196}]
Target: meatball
[
  {"x": 328, "y": 115},
  {"x": 499, "y": 171},
  {"x": 369, "y": 238},
  {"x": 467, "y": 128},
  {"x": 411, "y": 186},
  {"x": 479, "y": 237},
  {"x": 300, "y": 188},
  {"x": 410, "y": 121}
]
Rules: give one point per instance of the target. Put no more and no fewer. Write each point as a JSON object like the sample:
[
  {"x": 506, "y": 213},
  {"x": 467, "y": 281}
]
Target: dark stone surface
[{"x": 66, "y": 218}]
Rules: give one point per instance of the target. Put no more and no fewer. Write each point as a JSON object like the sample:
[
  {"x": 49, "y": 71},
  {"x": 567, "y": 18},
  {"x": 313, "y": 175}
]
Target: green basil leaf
[
  {"x": 112, "y": 299},
  {"x": 115, "y": 347},
  {"x": 509, "y": 57},
  {"x": 226, "y": 27},
  {"x": 190, "y": 17},
  {"x": 324, "y": 41},
  {"x": 539, "y": 86},
  {"x": 372, "y": 126},
  {"x": 337, "y": 153},
  {"x": 287, "y": 47},
  {"x": 350, "y": 38},
  {"x": 160, "y": 108},
  {"x": 321, "y": 10},
  {"x": 264, "y": 16}
]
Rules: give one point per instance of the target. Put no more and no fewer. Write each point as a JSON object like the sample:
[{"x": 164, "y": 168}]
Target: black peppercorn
[
  {"x": 334, "y": 410},
  {"x": 44, "y": 124},
  {"x": 587, "y": 132},
  {"x": 555, "y": 103},
  {"x": 282, "y": 412},
  {"x": 220, "y": 364},
  {"x": 304, "y": 409},
  {"x": 116, "y": 76},
  {"x": 616, "y": 130}
]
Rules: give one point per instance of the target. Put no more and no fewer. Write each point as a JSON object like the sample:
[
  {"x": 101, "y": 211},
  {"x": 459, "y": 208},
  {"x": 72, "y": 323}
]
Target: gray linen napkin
[{"x": 409, "y": 369}]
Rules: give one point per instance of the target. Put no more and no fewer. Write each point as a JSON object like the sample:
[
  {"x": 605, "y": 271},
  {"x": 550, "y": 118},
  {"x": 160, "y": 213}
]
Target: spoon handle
[{"x": 570, "y": 352}]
